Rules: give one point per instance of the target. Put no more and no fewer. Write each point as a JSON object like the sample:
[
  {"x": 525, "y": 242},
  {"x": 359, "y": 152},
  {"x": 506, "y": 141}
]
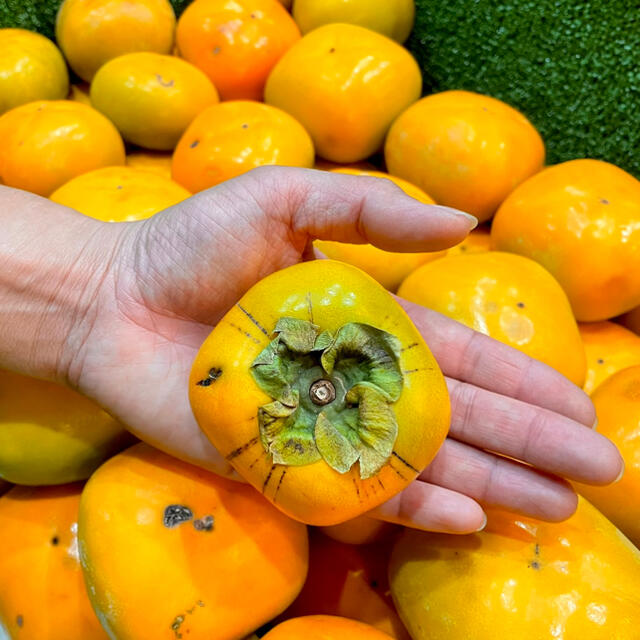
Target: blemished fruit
[
  {"x": 31, "y": 68},
  {"x": 324, "y": 628},
  {"x": 92, "y": 32},
  {"x": 320, "y": 392},
  {"x": 230, "y": 138},
  {"x": 391, "y": 18},
  {"x": 50, "y": 434},
  {"x": 508, "y": 297},
  {"x": 43, "y": 596},
  {"x": 466, "y": 150},
  {"x": 519, "y": 578},
  {"x": 212, "y": 558},
  {"x": 346, "y": 85},
  {"x": 389, "y": 268},
  {"x": 349, "y": 581},
  {"x": 617, "y": 403},
  {"x": 45, "y": 144},
  {"x": 120, "y": 194},
  {"x": 156, "y": 161},
  {"x": 579, "y": 220},
  {"x": 478, "y": 241},
  {"x": 236, "y": 43},
  {"x": 151, "y": 98},
  {"x": 609, "y": 348}
]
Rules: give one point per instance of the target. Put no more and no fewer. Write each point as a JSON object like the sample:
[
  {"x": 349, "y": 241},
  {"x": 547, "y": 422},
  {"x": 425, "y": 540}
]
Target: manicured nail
[
  {"x": 457, "y": 212},
  {"x": 620, "y": 474},
  {"x": 595, "y": 424},
  {"x": 484, "y": 523}
]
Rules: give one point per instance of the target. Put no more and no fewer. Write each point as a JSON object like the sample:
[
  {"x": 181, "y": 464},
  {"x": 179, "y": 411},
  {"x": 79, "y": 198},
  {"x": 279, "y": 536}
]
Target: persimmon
[
  {"x": 43, "y": 596},
  {"x": 519, "y": 578},
  {"x": 156, "y": 161},
  {"x": 392, "y": 18},
  {"x": 609, "y": 348},
  {"x": 319, "y": 390},
  {"x": 349, "y": 581},
  {"x": 346, "y": 85},
  {"x": 230, "y": 138},
  {"x": 617, "y": 403},
  {"x": 508, "y": 297},
  {"x": 389, "y": 268},
  {"x": 120, "y": 194},
  {"x": 170, "y": 550},
  {"x": 50, "y": 434},
  {"x": 324, "y": 628},
  {"x": 31, "y": 68},
  {"x": 579, "y": 220},
  {"x": 467, "y": 150},
  {"x": 46, "y": 143},
  {"x": 91, "y": 32},
  {"x": 236, "y": 43},
  {"x": 150, "y": 97}
]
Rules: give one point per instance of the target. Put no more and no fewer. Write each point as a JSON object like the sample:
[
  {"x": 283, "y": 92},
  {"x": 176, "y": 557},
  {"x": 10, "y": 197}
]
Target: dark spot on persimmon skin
[
  {"x": 332, "y": 50},
  {"x": 520, "y": 305},
  {"x": 600, "y": 361},
  {"x": 245, "y": 125},
  {"x": 20, "y": 621},
  {"x": 176, "y": 514},
  {"x": 216, "y": 51},
  {"x": 55, "y": 541},
  {"x": 203, "y": 524},
  {"x": 604, "y": 201},
  {"x": 194, "y": 144},
  {"x": 160, "y": 79},
  {"x": 212, "y": 376}
]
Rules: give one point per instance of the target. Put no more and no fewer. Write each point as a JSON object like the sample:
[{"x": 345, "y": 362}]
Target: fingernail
[
  {"x": 595, "y": 424},
  {"x": 457, "y": 212},
  {"x": 620, "y": 474},
  {"x": 483, "y": 525}
]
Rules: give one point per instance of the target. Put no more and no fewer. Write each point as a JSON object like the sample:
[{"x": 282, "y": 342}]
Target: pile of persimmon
[{"x": 316, "y": 387}]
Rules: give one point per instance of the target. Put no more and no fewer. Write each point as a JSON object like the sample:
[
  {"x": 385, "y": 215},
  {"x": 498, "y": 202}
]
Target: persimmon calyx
[{"x": 332, "y": 395}]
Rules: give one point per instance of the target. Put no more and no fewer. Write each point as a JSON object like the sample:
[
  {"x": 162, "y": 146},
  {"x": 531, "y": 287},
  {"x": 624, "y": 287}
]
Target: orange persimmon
[{"x": 324, "y": 628}]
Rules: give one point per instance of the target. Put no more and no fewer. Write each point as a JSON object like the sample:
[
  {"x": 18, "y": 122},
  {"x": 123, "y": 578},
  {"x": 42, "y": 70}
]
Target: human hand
[{"x": 172, "y": 277}]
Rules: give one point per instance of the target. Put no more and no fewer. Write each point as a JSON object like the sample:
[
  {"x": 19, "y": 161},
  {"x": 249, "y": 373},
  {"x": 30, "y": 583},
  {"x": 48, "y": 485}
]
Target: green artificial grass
[
  {"x": 40, "y": 15},
  {"x": 572, "y": 67}
]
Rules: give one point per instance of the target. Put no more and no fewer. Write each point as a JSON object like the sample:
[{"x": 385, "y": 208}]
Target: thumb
[{"x": 357, "y": 209}]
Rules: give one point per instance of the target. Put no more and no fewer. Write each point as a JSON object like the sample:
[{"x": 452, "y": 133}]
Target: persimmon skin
[
  {"x": 228, "y": 569},
  {"x": 333, "y": 294},
  {"x": 325, "y": 628},
  {"x": 43, "y": 596}
]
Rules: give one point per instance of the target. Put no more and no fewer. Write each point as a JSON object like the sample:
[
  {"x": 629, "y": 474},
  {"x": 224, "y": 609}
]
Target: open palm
[{"x": 172, "y": 277}]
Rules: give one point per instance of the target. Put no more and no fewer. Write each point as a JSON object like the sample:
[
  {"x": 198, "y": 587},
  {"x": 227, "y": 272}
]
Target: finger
[
  {"x": 356, "y": 209},
  {"x": 431, "y": 508},
  {"x": 543, "y": 438},
  {"x": 472, "y": 357},
  {"x": 498, "y": 482}
]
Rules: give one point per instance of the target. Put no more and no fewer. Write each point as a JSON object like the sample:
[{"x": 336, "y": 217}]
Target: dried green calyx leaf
[{"x": 332, "y": 395}]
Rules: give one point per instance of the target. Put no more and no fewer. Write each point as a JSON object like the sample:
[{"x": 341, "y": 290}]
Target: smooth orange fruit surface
[
  {"x": 236, "y": 42},
  {"x": 349, "y": 581},
  {"x": 50, "y": 434},
  {"x": 230, "y": 138},
  {"x": 391, "y": 18},
  {"x": 346, "y": 85},
  {"x": 319, "y": 390},
  {"x": 171, "y": 550},
  {"x": 519, "y": 578},
  {"x": 150, "y": 97},
  {"x": 156, "y": 161},
  {"x": 609, "y": 348},
  {"x": 120, "y": 194},
  {"x": 579, "y": 220},
  {"x": 45, "y": 144},
  {"x": 43, "y": 596},
  {"x": 91, "y": 32},
  {"x": 324, "y": 628},
  {"x": 617, "y": 403},
  {"x": 467, "y": 150},
  {"x": 508, "y": 297},
  {"x": 478, "y": 241},
  {"x": 360, "y": 530},
  {"x": 31, "y": 68},
  {"x": 389, "y": 268}
]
